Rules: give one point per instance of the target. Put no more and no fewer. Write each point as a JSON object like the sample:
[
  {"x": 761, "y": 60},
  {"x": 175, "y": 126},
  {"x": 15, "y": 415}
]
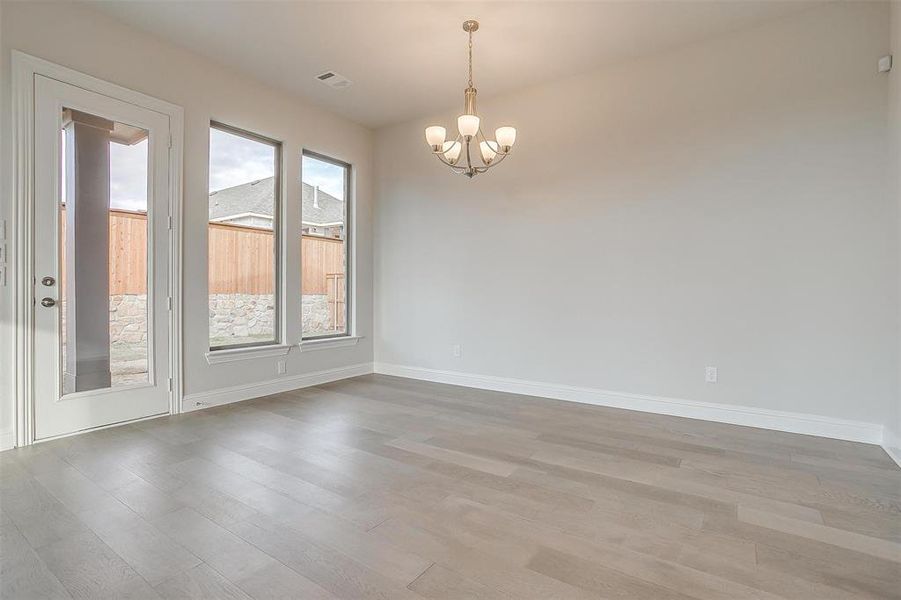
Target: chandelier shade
[
  {"x": 488, "y": 150},
  {"x": 469, "y": 127},
  {"x": 451, "y": 151},
  {"x": 505, "y": 137},
  {"x": 435, "y": 136}
]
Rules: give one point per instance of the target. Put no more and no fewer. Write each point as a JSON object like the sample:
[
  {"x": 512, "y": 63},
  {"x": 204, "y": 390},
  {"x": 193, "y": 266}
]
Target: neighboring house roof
[
  {"x": 243, "y": 215},
  {"x": 256, "y": 197}
]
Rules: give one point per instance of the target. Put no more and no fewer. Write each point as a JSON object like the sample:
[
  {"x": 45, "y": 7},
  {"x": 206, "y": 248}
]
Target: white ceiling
[{"x": 408, "y": 59}]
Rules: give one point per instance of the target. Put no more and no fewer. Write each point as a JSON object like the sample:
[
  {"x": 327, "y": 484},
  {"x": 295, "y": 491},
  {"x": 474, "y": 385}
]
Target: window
[
  {"x": 325, "y": 237},
  {"x": 243, "y": 238}
]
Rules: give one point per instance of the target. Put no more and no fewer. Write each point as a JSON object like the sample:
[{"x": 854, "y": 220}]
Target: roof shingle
[{"x": 257, "y": 197}]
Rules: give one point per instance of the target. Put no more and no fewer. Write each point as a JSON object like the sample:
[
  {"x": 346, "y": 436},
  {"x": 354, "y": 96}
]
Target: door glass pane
[
  {"x": 103, "y": 253},
  {"x": 324, "y": 247}
]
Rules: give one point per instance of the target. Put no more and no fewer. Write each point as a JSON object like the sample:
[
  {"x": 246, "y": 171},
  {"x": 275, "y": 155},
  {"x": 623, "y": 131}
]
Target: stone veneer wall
[
  {"x": 250, "y": 315},
  {"x": 315, "y": 314},
  {"x": 128, "y": 321},
  {"x": 231, "y": 316},
  {"x": 241, "y": 315}
]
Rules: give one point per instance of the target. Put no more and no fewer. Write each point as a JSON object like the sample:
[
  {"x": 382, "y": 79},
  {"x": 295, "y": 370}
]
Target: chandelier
[{"x": 450, "y": 152}]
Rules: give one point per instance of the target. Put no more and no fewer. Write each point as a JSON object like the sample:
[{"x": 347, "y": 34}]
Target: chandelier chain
[{"x": 470, "y": 58}]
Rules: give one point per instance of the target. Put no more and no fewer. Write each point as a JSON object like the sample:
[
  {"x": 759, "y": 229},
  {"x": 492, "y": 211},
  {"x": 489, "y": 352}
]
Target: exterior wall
[
  {"x": 128, "y": 320},
  {"x": 249, "y": 316},
  {"x": 241, "y": 316},
  {"x": 316, "y": 317},
  {"x": 231, "y": 316}
]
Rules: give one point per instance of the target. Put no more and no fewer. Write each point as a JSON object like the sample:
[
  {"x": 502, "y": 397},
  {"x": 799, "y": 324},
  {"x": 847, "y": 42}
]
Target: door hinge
[
  {"x": 170, "y": 222},
  {"x": 169, "y": 303},
  {"x": 170, "y": 384},
  {"x": 170, "y": 140}
]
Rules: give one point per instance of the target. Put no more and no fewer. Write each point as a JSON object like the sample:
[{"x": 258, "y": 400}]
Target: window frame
[
  {"x": 277, "y": 210},
  {"x": 349, "y": 321}
]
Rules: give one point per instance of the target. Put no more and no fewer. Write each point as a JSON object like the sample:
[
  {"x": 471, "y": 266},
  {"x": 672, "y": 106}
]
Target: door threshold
[{"x": 98, "y": 428}]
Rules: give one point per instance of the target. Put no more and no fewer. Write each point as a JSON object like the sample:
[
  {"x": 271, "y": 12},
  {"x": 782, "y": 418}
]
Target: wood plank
[{"x": 379, "y": 487}]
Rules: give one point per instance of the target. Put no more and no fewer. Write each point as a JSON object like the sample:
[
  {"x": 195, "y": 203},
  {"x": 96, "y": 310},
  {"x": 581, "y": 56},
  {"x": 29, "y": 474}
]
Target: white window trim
[
  {"x": 280, "y": 231},
  {"x": 349, "y": 337},
  {"x": 341, "y": 341},
  {"x": 226, "y": 355}
]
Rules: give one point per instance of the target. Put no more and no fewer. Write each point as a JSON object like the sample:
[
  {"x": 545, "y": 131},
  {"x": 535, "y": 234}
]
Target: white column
[{"x": 87, "y": 252}]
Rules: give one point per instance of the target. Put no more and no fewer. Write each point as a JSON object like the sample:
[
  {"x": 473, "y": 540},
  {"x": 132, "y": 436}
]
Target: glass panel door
[{"x": 100, "y": 244}]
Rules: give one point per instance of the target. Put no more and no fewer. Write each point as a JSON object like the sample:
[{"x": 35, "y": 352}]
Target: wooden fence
[{"x": 241, "y": 258}]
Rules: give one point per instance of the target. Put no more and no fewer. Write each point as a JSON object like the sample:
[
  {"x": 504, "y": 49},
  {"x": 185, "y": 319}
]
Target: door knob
[
  {"x": 48, "y": 302},
  {"x": 48, "y": 281}
]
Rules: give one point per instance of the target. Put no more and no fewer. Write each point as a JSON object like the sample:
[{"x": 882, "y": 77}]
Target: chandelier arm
[
  {"x": 495, "y": 162},
  {"x": 484, "y": 139},
  {"x": 457, "y": 168},
  {"x": 440, "y": 154},
  {"x": 498, "y": 155},
  {"x": 455, "y": 142}
]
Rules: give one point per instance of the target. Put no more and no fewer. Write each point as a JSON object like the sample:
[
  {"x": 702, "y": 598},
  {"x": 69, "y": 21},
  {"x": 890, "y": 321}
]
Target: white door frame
[{"x": 24, "y": 68}]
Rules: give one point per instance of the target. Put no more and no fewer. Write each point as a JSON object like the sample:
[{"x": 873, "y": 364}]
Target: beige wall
[
  {"x": 893, "y": 426},
  {"x": 74, "y": 36},
  {"x": 724, "y": 204}
]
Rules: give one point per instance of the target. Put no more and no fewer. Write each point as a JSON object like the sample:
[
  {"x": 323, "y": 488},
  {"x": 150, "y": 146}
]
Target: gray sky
[
  {"x": 128, "y": 176},
  {"x": 233, "y": 160},
  {"x": 327, "y": 176}
]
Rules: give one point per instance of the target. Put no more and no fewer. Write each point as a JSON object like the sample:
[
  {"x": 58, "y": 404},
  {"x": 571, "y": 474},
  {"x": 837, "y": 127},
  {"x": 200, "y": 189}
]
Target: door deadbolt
[
  {"x": 48, "y": 302},
  {"x": 48, "y": 281}
]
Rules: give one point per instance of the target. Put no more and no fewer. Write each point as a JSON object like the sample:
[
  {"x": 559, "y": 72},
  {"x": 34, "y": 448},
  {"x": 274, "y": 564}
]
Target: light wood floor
[{"x": 380, "y": 487}]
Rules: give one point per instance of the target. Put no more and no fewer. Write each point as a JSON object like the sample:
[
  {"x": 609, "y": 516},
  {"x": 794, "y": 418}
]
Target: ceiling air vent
[{"x": 335, "y": 80}]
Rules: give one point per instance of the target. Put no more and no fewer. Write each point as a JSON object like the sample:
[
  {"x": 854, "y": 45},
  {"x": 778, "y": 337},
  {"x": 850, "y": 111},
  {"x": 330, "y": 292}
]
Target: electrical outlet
[
  {"x": 710, "y": 375},
  {"x": 282, "y": 367},
  {"x": 457, "y": 349}
]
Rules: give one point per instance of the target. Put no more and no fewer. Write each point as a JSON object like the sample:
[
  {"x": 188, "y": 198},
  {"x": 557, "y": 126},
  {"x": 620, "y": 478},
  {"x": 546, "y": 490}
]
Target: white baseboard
[
  {"x": 7, "y": 440},
  {"x": 855, "y": 431},
  {"x": 891, "y": 443},
  {"x": 238, "y": 393}
]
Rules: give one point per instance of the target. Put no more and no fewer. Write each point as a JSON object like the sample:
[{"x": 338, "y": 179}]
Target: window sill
[
  {"x": 214, "y": 357},
  {"x": 333, "y": 342}
]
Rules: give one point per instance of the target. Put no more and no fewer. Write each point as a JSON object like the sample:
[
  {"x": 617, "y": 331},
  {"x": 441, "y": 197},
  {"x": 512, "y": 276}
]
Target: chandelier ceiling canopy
[{"x": 457, "y": 153}]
